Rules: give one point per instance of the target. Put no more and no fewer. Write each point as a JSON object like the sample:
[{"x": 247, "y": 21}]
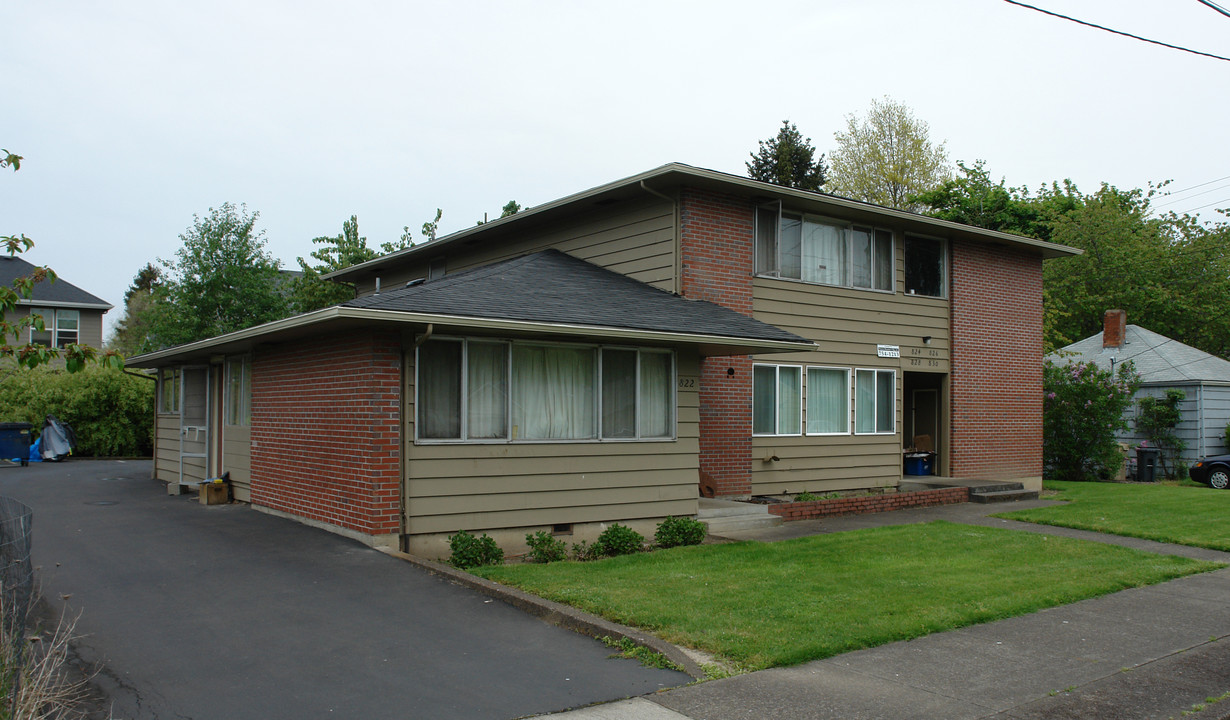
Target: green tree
[
  {"x": 1082, "y": 409},
  {"x": 132, "y": 331},
  {"x": 222, "y": 279},
  {"x": 886, "y": 158},
  {"x": 512, "y": 207},
  {"x": 309, "y": 292},
  {"x": 407, "y": 236},
  {"x": 787, "y": 159}
]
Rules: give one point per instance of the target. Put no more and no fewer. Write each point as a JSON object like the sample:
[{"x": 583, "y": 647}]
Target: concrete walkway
[{"x": 1150, "y": 652}]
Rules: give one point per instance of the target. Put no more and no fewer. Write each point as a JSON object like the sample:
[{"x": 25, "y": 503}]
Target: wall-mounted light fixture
[
  {"x": 730, "y": 372},
  {"x": 926, "y": 339}
]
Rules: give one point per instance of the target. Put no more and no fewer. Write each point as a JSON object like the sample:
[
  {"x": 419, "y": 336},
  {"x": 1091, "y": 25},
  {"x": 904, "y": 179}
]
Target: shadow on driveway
[{"x": 221, "y": 611}]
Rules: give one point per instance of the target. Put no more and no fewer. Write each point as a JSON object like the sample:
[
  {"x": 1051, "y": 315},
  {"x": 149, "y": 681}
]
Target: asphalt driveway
[{"x": 211, "y": 612}]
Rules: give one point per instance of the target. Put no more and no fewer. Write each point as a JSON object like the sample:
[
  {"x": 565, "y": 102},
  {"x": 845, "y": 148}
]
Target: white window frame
[
  {"x": 944, "y": 255},
  {"x": 777, "y": 403},
  {"x": 808, "y": 396},
  {"x": 672, "y": 398},
  {"x": 875, "y": 404},
  {"x": 847, "y": 230}
]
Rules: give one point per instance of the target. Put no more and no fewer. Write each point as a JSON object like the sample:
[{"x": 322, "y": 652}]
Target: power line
[
  {"x": 1193, "y": 187},
  {"x": 1215, "y": 6},
  {"x": 1189, "y": 197},
  {"x": 1117, "y": 32},
  {"x": 1216, "y": 202}
]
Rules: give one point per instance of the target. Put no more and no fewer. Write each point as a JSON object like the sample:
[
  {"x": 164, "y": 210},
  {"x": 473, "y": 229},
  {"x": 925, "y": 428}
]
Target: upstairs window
[
  {"x": 925, "y": 263},
  {"x": 823, "y": 251},
  {"x": 61, "y": 328}
]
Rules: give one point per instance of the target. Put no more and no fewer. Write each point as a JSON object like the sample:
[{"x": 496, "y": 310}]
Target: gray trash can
[{"x": 1146, "y": 464}]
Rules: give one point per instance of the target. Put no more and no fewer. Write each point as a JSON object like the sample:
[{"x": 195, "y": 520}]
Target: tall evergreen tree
[{"x": 788, "y": 159}]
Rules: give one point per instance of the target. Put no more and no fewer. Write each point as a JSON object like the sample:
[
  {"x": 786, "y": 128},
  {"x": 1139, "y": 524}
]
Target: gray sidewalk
[{"x": 1150, "y": 652}]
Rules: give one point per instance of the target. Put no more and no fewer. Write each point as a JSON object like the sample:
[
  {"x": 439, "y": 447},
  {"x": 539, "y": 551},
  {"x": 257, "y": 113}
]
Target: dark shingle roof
[
  {"x": 553, "y": 287},
  {"x": 60, "y": 291}
]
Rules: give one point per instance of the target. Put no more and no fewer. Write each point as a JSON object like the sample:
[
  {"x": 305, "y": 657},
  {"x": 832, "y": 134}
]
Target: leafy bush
[
  {"x": 619, "y": 540},
  {"x": 1081, "y": 411},
  {"x": 545, "y": 547},
  {"x": 469, "y": 551},
  {"x": 804, "y": 497},
  {"x": 1157, "y": 421},
  {"x": 1226, "y": 438},
  {"x": 676, "y": 531},
  {"x": 583, "y": 551},
  {"x": 111, "y": 412}
]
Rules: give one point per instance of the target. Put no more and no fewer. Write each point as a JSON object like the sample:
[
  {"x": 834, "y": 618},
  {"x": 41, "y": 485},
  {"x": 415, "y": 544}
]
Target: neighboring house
[
  {"x": 596, "y": 358},
  {"x": 1164, "y": 364},
  {"x": 70, "y": 314}
]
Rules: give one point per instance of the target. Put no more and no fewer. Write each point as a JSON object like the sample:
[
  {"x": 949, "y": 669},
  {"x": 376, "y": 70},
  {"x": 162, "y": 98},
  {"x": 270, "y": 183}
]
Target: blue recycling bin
[
  {"x": 920, "y": 463},
  {"x": 15, "y": 441}
]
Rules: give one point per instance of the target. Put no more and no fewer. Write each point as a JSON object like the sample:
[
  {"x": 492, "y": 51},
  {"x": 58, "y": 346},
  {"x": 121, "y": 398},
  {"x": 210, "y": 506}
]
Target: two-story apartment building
[
  {"x": 70, "y": 315},
  {"x": 607, "y": 356}
]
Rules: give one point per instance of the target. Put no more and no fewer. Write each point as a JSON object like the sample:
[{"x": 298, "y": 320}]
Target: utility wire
[
  {"x": 1215, "y": 6},
  {"x": 1118, "y": 32},
  {"x": 1193, "y": 187},
  {"x": 1189, "y": 197},
  {"x": 1218, "y": 202}
]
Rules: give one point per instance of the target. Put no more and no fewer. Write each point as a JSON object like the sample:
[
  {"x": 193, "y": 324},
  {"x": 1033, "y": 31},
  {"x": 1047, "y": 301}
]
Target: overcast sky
[{"x": 133, "y": 116}]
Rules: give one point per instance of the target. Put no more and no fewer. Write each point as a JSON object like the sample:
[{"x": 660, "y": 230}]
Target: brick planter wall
[
  {"x": 869, "y": 503},
  {"x": 996, "y": 362},
  {"x": 716, "y": 239},
  {"x": 326, "y": 430}
]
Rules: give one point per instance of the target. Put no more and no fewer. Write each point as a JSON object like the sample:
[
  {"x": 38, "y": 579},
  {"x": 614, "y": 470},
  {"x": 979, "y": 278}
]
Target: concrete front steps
[{"x": 723, "y": 516}]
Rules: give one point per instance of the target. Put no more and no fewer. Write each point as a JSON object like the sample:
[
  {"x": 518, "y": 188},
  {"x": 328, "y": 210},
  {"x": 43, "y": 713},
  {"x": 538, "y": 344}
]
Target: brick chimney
[{"x": 1114, "y": 324}]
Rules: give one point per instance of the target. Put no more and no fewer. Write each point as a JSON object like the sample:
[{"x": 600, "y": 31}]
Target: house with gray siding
[
  {"x": 1164, "y": 364},
  {"x": 70, "y": 315}
]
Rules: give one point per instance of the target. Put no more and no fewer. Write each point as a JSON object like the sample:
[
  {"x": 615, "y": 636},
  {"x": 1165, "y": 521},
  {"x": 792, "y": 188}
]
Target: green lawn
[
  {"x": 1186, "y": 515},
  {"x": 768, "y": 604}
]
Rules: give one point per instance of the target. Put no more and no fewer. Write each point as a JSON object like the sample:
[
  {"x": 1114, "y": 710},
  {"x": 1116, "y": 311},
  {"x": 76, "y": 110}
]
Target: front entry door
[{"x": 194, "y": 424}]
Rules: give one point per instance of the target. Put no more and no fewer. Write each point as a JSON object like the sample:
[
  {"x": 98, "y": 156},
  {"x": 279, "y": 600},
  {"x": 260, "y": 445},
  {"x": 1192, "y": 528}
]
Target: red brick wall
[
  {"x": 717, "y": 256},
  {"x": 869, "y": 503},
  {"x": 996, "y": 362},
  {"x": 326, "y": 429}
]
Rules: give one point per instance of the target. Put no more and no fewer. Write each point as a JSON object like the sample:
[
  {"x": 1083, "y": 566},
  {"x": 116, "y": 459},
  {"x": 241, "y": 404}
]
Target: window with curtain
[
  {"x": 238, "y": 401},
  {"x": 875, "y": 401},
  {"x": 828, "y": 401},
  {"x": 777, "y": 395},
  {"x": 168, "y": 390},
  {"x": 826, "y": 252},
  {"x": 473, "y": 389}
]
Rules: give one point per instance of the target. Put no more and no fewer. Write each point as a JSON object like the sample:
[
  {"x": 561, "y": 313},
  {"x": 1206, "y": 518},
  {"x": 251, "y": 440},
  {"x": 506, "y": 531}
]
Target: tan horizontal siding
[
  {"x": 166, "y": 462},
  {"x": 635, "y": 238},
  {"x": 452, "y": 487},
  {"x": 237, "y": 459}
]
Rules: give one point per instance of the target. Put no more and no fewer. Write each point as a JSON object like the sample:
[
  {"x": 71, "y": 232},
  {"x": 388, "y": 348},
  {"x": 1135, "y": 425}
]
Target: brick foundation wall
[
  {"x": 326, "y": 431},
  {"x": 717, "y": 255},
  {"x": 869, "y": 503},
  {"x": 996, "y": 362}
]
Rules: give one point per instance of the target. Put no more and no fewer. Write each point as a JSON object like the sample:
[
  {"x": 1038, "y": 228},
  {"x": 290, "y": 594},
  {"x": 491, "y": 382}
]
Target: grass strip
[
  {"x": 771, "y": 604},
  {"x": 1184, "y": 515}
]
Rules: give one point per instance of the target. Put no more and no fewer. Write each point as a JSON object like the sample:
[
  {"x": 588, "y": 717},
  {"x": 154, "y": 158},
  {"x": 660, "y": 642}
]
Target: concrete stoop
[
  {"x": 1001, "y": 492},
  {"x": 722, "y": 516}
]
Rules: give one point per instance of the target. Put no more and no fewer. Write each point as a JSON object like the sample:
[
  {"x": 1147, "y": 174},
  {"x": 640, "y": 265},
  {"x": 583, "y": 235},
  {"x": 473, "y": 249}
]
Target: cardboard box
[{"x": 214, "y": 493}]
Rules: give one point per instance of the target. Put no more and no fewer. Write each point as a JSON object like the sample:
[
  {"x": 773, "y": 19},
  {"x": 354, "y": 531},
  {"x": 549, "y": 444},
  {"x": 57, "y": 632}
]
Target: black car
[{"x": 1213, "y": 470}]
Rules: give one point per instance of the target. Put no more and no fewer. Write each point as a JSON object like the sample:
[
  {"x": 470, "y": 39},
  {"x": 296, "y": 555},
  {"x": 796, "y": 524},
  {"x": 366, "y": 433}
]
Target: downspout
[{"x": 677, "y": 278}]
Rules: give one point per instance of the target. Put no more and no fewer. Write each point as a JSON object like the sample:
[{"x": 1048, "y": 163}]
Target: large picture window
[
  {"x": 875, "y": 406},
  {"x": 777, "y": 394},
  {"x": 486, "y": 390},
  {"x": 925, "y": 262},
  {"x": 828, "y": 401},
  {"x": 823, "y": 251}
]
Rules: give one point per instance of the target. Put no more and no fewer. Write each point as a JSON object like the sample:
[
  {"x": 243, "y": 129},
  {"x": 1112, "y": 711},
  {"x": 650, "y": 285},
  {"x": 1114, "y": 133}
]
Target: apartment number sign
[{"x": 888, "y": 351}]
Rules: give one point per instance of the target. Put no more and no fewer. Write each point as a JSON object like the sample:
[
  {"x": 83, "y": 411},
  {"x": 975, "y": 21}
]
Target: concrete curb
[{"x": 555, "y": 613}]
